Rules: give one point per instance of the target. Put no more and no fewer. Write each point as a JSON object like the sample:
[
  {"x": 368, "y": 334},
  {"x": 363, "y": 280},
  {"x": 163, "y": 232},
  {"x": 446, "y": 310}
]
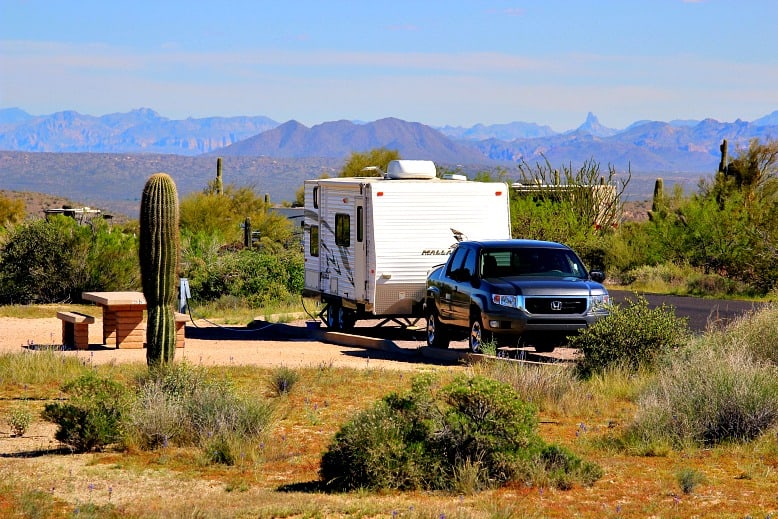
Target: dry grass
[{"x": 40, "y": 481}]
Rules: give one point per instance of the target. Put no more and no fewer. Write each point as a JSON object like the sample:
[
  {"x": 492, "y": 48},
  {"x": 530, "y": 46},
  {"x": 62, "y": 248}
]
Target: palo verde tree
[
  {"x": 378, "y": 157},
  {"x": 159, "y": 252},
  {"x": 208, "y": 213},
  {"x": 12, "y": 211}
]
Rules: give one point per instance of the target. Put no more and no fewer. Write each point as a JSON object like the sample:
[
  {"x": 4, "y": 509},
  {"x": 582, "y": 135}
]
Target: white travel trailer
[{"x": 369, "y": 242}]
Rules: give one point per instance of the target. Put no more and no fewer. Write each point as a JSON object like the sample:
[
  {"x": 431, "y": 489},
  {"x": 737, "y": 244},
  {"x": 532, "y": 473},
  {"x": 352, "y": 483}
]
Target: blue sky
[{"x": 436, "y": 62}]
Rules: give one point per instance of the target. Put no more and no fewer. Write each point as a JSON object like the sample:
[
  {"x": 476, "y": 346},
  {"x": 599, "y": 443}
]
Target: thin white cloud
[{"x": 435, "y": 88}]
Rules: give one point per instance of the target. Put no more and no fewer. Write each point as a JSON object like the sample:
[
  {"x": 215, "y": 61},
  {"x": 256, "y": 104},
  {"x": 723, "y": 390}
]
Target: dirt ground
[{"x": 274, "y": 345}]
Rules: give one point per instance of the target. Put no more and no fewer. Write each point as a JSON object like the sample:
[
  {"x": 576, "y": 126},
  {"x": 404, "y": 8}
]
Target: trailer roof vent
[{"x": 411, "y": 169}]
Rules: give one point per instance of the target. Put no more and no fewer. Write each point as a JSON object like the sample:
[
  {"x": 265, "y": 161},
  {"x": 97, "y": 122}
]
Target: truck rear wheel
[{"x": 437, "y": 334}]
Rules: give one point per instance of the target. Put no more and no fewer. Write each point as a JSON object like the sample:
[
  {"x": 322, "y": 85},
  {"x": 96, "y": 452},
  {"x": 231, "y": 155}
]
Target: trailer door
[{"x": 360, "y": 253}]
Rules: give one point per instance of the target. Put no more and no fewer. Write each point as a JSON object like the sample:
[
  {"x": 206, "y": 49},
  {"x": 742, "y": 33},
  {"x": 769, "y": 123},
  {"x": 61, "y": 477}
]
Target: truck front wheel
[{"x": 478, "y": 336}]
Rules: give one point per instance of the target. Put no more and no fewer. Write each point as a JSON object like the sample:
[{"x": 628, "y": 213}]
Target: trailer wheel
[
  {"x": 348, "y": 318},
  {"x": 437, "y": 335},
  {"x": 334, "y": 320}
]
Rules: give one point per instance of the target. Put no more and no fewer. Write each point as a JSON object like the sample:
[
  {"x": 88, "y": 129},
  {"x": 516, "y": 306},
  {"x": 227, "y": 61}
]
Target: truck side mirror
[{"x": 597, "y": 275}]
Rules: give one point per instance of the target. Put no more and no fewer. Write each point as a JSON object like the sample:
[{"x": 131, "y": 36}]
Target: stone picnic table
[{"x": 123, "y": 322}]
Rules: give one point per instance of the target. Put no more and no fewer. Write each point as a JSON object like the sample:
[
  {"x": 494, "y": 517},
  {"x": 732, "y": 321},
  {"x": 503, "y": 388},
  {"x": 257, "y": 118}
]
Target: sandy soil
[{"x": 210, "y": 345}]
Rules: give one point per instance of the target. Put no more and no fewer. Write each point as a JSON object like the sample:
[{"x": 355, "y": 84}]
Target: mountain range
[
  {"x": 646, "y": 146},
  {"x": 680, "y": 150}
]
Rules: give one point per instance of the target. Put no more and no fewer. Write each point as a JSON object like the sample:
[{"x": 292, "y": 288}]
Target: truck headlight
[
  {"x": 599, "y": 303},
  {"x": 511, "y": 301}
]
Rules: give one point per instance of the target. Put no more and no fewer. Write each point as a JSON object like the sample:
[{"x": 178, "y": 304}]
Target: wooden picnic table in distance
[{"x": 123, "y": 323}]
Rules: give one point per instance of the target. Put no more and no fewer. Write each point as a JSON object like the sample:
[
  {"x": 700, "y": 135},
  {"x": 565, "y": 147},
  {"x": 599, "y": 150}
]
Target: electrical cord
[{"x": 192, "y": 319}]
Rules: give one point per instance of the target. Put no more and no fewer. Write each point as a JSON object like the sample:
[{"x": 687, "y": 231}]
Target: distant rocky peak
[{"x": 592, "y": 126}]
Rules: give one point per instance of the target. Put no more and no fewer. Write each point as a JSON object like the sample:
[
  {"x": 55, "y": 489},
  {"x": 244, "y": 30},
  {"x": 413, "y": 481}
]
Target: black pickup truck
[{"x": 514, "y": 292}]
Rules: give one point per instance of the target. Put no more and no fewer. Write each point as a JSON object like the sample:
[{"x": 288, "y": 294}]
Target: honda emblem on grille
[{"x": 556, "y": 305}]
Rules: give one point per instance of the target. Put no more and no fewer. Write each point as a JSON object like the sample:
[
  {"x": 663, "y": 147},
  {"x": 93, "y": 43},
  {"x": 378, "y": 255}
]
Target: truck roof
[{"x": 516, "y": 243}]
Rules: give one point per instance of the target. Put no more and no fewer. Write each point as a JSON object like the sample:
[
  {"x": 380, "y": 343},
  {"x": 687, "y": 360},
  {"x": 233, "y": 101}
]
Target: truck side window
[
  {"x": 342, "y": 230},
  {"x": 313, "y": 236},
  {"x": 471, "y": 265},
  {"x": 456, "y": 261},
  {"x": 458, "y": 268}
]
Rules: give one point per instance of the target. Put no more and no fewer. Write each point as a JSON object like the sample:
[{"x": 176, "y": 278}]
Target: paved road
[{"x": 699, "y": 311}]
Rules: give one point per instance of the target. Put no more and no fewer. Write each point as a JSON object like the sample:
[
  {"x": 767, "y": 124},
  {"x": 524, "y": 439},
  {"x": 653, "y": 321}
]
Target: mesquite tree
[{"x": 159, "y": 254}]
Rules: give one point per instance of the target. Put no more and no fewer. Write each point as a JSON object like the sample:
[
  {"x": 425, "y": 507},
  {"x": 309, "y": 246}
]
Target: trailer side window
[
  {"x": 313, "y": 238},
  {"x": 360, "y": 223},
  {"x": 316, "y": 197},
  {"x": 342, "y": 230}
]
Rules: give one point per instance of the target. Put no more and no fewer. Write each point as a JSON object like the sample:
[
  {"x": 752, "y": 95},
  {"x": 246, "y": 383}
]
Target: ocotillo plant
[{"x": 159, "y": 252}]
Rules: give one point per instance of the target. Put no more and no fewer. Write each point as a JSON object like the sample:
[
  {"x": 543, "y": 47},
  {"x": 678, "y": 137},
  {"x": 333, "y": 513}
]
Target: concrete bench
[
  {"x": 75, "y": 329},
  {"x": 181, "y": 320}
]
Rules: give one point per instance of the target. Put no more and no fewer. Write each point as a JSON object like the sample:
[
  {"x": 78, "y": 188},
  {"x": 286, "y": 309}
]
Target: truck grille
[{"x": 546, "y": 305}]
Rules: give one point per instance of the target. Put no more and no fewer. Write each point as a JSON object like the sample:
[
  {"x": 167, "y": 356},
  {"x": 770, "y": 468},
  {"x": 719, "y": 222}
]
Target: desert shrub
[
  {"x": 12, "y": 211},
  {"x": 688, "y": 479},
  {"x": 184, "y": 405},
  {"x": 112, "y": 258},
  {"x": 386, "y": 446},
  {"x": 49, "y": 261},
  {"x": 633, "y": 335},
  {"x": 91, "y": 417},
  {"x": 472, "y": 434},
  {"x": 705, "y": 396},
  {"x": 557, "y": 467},
  {"x": 259, "y": 278},
  {"x": 222, "y": 215},
  {"x": 756, "y": 332},
  {"x": 543, "y": 386},
  {"x": 281, "y": 380},
  {"x": 486, "y": 421},
  {"x": 19, "y": 419},
  {"x": 41, "y": 262}
]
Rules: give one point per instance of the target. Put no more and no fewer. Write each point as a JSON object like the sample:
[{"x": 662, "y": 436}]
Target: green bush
[
  {"x": 705, "y": 396},
  {"x": 259, "y": 278},
  {"x": 633, "y": 335},
  {"x": 49, "y": 261},
  {"x": 474, "y": 433},
  {"x": 91, "y": 417}
]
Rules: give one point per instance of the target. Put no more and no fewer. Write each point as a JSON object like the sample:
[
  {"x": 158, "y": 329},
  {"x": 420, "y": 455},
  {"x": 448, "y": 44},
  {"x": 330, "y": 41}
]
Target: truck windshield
[{"x": 531, "y": 261}]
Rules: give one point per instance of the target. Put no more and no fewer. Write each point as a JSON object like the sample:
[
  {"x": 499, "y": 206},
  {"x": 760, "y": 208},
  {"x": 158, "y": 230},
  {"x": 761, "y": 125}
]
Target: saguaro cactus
[
  {"x": 219, "y": 182},
  {"x": 159, "y": 252}
]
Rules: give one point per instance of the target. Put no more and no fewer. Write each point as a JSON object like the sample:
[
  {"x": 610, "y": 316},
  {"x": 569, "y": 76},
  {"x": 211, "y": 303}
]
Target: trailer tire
[
  {"x": 334, "y": 321},
  {"x": 437, "y": 334},
  {"x": 348, "y": 318}
]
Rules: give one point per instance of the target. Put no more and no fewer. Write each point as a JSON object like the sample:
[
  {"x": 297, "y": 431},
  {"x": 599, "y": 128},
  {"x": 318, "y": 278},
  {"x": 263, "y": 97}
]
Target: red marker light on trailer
[
  {"x": 380, "y": 193},
  {"x": 498, "y": 193}
]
